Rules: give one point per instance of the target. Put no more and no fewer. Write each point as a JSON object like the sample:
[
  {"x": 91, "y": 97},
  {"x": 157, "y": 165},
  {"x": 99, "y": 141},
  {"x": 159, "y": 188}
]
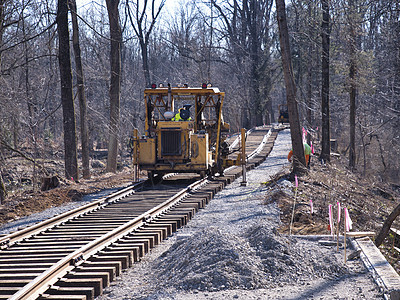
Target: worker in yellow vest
[{"x": 177, "y": 117}]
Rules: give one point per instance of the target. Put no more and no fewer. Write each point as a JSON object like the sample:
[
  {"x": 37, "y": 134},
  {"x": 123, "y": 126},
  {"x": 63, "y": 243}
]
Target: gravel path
[{"x": 241, "y": 255}]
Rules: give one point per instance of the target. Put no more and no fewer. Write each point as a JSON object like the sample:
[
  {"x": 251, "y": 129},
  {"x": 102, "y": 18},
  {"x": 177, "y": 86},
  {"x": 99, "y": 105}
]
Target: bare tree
[
  {"x": 326, "y": 147},
  {"x": 81, "y": 91},
  {"x": 143, "y": 29},
  {"x": 71, "y": 160},
  {"x": 353, "y": 88},
  {"x": 115, "y": 83},
  {"x": 247, "y": 28},
  {"x": 310, "y": 67},
  {"x": 298, "y": 148}
]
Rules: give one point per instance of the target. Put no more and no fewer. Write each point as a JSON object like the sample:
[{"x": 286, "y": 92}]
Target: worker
[
  {"x": 177, "y": 117},
  {"x": 185, "y": 114},
  {"x": 307, "y": 153}
]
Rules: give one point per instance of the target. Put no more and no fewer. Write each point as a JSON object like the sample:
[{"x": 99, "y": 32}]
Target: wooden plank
[
  {"x": 135, "y": 250},
  {"x": 100, "y": 264},
  {"x": 124, "y": 260},
  {"x": 88, "y": 292},
  {"x": 24, "y": 275},
  {"x": 95, "y": 283},
  {"x": 110, "y": 270},
  {"x": 383, "y": 269},
  {"x": 121, "y": 253},
  {"x": 62, "y": 297},
  {"x": 104, "y": 276},
  {"x": 14, "y": 282},
  {"x": 360, "y": 234},
  {"x": 8, "y": 290}
]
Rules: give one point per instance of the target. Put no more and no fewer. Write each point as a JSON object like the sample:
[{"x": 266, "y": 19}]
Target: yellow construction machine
[{"x": 184, "y": 132}]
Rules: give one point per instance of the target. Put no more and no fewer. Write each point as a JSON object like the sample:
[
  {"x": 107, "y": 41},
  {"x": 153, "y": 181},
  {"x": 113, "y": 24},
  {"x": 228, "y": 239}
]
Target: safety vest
[
  {"x": 177, "y": 117},
  {"x": 307, "y": 149}
]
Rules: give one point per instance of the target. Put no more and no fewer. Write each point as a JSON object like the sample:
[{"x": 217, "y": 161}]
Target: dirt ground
[
  {"x": 24, "y": 200},
  {"x": 369, "y": 202}
]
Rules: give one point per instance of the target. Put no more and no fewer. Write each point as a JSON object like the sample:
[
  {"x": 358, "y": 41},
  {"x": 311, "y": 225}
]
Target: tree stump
[{"x": 49, "y": 183}]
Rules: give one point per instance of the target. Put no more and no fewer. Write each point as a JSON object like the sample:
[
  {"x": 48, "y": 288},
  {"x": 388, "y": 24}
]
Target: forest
[{"x": 73, "y": 73}]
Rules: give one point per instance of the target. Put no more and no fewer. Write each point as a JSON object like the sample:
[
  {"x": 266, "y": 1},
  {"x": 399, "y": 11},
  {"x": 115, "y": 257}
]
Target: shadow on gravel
[
  {"x": 248, "y": 217},
  {"x": 276, "y": 165},
  {"x": 328, "y": 286}
]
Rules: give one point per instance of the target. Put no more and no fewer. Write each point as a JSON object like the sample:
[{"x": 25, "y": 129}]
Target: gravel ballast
[{"x": 232, "y": 250}]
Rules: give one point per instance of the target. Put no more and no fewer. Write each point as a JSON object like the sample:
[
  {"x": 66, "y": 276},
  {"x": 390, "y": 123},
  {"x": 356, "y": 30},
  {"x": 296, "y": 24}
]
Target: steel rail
[
  {"x": 234, "y": 143},
  {"x": 237, "y": 139},
  {"x": 41, "y": 283},
  {"x": 30, "y": 231},
  {"x": 261, "y": 146},
  {"x": 257, "y": 150}
]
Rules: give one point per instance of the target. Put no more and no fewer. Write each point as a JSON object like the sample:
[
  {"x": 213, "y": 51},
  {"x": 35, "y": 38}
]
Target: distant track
[{"x": 77, "y": 254}]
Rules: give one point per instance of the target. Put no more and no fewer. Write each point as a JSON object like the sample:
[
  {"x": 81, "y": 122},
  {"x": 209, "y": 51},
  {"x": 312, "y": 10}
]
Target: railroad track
[{"x": 77, "y": 254}]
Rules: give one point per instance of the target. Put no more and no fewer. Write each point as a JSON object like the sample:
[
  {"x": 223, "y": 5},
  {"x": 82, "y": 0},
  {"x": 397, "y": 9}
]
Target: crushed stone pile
[
  {"x": 213, "y": 260},
  {"x": 292, "y": 260}
]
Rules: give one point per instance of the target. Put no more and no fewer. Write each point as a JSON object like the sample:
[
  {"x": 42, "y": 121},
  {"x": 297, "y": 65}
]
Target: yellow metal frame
[{"x": 157, "y": 102}]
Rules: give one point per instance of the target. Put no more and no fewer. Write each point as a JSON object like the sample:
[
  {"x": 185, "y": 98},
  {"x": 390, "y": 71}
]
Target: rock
[
  {"x": 98, "y": 164},
  {"x": 354, "y": 255},
  {"x": 380, "y": 192},
  {"x": 328, "y": 243}
]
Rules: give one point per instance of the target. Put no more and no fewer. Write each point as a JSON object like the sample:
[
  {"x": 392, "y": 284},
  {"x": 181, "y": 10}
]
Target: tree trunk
[
  {"x": 3, "y": 191},
  {"x": 352, "y": 77},
  {"x": 386, "y": 226},
  {"x": 210, "y": 44},
  {"x": 31, "y": 103},
  {"x": 115, "y": 83},
  {"x": 297, "y": 143},
  {"x": 309, "y": 77},
  {"x": 396, "y": 88},
  {"x": 364, "y": 147},
  {"x": 71, "y": 161},
  {"x": 15, "y": 130},
  {"x": 309, "y": 101},
  {"x": 352, "y": 149},
  {"x": 81, "y": 92},
  {"x": 255, "y": 101},
  {"x": 145, "y": 59},
  {"x": 326, "y": 147},
  {"x": 2, "y": 7}
]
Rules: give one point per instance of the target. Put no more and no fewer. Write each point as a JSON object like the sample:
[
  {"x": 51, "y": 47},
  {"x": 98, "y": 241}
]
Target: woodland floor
[
  {"x": 25, "y": 200},
  {"x": 369, "y": 202}
]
